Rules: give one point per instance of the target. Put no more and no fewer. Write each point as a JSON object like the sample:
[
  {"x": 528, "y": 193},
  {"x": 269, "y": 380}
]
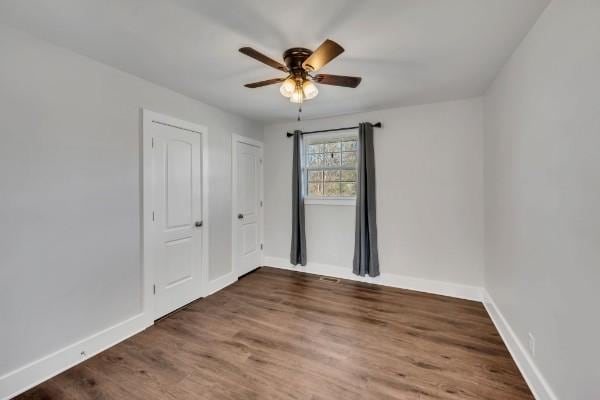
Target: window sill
[{"x": 330, "y": 201}]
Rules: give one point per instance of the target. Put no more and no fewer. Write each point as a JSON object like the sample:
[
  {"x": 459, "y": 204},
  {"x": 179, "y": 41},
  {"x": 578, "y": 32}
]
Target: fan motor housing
[{"x": 294, "y": 58}]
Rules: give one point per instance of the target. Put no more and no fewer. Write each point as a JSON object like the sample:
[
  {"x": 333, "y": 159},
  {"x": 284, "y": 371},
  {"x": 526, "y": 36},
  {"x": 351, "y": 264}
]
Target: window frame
[{"x": 324, "y": 200}]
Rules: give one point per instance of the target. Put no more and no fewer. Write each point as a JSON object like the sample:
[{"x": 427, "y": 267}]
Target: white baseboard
[
  {"x": 38, "y": 371},
  {"x": 220, "y": 283},
  {"x": 399, "y": 281},
  {"x": 534, "y": 378}
]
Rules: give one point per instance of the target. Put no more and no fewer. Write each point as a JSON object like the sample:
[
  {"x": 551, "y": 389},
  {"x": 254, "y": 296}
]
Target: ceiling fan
[{"x": 300, "y": 64}]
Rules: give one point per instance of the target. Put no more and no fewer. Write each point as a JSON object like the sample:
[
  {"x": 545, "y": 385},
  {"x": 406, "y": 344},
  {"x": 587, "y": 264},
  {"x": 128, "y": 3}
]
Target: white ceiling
[{"x": 407, "y": 51}]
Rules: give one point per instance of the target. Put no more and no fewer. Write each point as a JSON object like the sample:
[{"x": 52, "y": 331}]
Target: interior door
[
  {"x": 248, "y": 203},
  {"x": 177, "y": 183}
]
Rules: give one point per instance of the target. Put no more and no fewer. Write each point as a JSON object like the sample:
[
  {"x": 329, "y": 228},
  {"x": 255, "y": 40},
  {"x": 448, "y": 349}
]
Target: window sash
[
  {"x": 328, "y": 167},
  {"x": 346, "y": 168},
  {"x": 338, "y": 141}
]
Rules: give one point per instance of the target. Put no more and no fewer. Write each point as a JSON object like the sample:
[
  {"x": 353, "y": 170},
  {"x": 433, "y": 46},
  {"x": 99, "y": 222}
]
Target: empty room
[{"x": 313, "y": 200}]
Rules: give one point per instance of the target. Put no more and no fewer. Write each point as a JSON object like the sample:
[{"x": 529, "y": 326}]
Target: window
[{"x": 330, "y": 164}]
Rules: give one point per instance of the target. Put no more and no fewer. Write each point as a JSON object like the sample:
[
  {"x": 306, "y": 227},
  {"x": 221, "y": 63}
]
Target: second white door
[{"x": 248, "y": 207}]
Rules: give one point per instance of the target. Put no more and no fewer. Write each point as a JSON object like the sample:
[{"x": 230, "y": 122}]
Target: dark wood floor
[{"x": 286, "y": 335}]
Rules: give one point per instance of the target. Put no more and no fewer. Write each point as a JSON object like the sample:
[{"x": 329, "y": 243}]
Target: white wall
[
  {"x": 429, "y": 194},
  {"x": 70, "y": 193},
  {"x": 542, "y": 174}
]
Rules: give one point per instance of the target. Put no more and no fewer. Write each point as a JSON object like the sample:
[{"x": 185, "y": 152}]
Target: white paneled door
[
  {"x": 248, "y": 206},
  {"x": 177, "y": 233}
]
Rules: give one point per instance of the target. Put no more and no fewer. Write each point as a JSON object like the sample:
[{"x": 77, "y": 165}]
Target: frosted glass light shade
[
  {"x": 310, "y": 90},
  {"x": 297, "y": 96},
  {"x": 287, "y": 87}
]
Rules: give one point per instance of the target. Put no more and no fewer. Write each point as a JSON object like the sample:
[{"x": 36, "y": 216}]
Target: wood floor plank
[{"x": 286, "y": 335}]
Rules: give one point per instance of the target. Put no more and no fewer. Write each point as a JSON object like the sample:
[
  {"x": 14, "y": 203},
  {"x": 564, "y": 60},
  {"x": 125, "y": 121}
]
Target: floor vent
[{"x": 329, "y": 279}]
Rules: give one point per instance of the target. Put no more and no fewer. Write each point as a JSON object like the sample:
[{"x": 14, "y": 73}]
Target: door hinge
[
  {"x": 261, "y": 203},
  {"x": 153, "y": 289},
  {"x": 152, "y": 215},
  {"x": 152, "y": 142},
  {"x": 261, "y": 246}
]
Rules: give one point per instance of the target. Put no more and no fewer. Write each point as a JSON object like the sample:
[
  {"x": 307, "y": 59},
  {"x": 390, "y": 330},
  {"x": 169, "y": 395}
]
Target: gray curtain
[
  {"x": 366, "y": 258},
  {"x": 298, "y": 251}
]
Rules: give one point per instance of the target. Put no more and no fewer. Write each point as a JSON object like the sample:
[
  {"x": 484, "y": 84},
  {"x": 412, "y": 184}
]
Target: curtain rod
[{"x": 375, "y": 125}]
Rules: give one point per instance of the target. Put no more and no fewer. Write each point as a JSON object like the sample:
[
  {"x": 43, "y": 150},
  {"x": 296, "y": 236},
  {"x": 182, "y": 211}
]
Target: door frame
[
  {"x": 148, "y": 267},
  {"x": 235, "y": 138}
]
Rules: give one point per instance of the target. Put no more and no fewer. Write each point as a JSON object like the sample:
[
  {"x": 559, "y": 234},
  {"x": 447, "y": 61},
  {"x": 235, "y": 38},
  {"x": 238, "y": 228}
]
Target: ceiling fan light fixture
[
  {"x": 298, "y": 96},
  {"x": 288, "y": 87},
  {"x": 310, "y": 90},
  {"x": 299, "y": 85}
]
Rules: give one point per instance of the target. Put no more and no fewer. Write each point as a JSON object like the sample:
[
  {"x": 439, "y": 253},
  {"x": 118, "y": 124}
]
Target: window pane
[
  {"x": 315, "y": 189},
  {"x": 314, "y": 160},
  {"x": 332, "y": 175},
  {"x": 315, "y": 176},
  {"x": 349, "y": 175},
  {"x": 332, "y": 147},
  {"x": 314, "y": 148},
  {"x": 348, "y": 189},
  {"x": 332, "y": 189},
  {"x": 349, "y": 159},
  {"x": 332, "y": 159},
  {"x": 350, "y": 145},
  {"x": 323, "y": 164}
]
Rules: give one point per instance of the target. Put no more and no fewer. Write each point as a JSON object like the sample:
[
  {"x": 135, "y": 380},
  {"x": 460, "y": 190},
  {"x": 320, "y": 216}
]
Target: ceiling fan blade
[
  {"x": 338, "y": 80},
  {"x": 250, "y": 52},
  {"x": 326, "y": 52},
  {"x": 264, "y": 83}
]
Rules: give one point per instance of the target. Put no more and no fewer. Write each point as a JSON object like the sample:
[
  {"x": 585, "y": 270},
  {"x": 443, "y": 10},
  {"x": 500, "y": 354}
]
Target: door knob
[
  {"x": 198, "y": 224},
  {"x": 240, "y": 216}
]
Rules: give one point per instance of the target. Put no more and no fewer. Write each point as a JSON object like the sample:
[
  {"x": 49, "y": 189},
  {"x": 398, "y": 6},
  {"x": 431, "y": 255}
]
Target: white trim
[
  {"x": 399, "y": 281},
  {"x": 330, "y": 201},
  {"x": 220, "y": 283},
  {"x": 244, "y": 139},
  {"x": 315, "y": 137},
  {"x": 235, "y": 138},
  {"x": 150, "y": 117},
  {"x": 533, "y": 376},
  {"x": 38, "y": 371}
]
